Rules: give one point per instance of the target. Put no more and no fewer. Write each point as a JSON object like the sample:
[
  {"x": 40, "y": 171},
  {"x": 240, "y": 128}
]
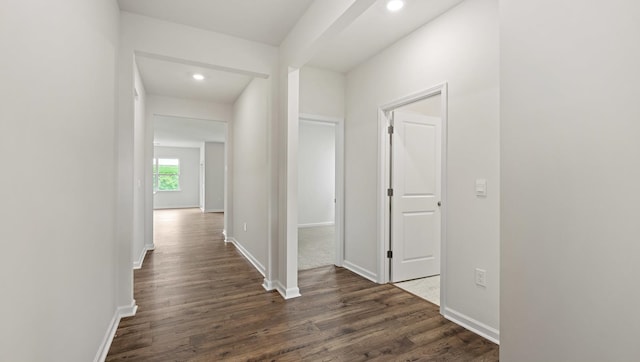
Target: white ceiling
[
  {"x": 269, "y": 21},
  {"x": 375, "y": 30},
  {"x": 171, "y": 131},
  {"x": 265, "y": 21},
  {"x": 173, "y": 79}
]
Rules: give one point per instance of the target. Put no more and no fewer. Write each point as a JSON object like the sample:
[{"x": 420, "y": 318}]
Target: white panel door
[{"x": 416, "y": 183}]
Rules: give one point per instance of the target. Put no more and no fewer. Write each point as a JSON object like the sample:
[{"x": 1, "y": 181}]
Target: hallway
[{"x": 200, "y": 300}]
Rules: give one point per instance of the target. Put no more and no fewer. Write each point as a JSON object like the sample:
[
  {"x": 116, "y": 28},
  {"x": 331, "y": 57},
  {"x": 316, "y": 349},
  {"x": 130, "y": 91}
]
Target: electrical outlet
[
  {"x": 481, "y": 277},
  {"x": 244, "y": 226}
]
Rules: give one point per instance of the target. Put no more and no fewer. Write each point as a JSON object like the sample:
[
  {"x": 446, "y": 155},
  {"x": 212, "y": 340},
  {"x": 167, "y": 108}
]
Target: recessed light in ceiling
[
  {"x": 395, "y": 5},
  {"x": 198, "y": 76}
]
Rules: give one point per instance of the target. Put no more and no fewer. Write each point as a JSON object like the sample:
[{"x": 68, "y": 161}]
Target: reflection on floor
[
  {"x": 425, "y": 288},
  {"x": 316, "y": 247}
]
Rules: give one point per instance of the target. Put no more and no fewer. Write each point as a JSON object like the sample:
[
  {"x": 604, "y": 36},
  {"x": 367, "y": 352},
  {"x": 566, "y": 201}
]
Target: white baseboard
[
  {"x": 128, "y": 310},
  {"x": 247, "y": 255},
  {"x": 268, "y": 285},
  {"x": 137, "y": 264},
  {"x": 213, "y": 210},
  {"x": 120, "y": 312},
  {"x": 176, "y": 207},
  {"x": 473, "y": 325},
  {"x": 150, "y": 247},
  {"x": 287, "y": 293},
  {"x": 360, "y": 271},
  {"x": 310, "y": 225}
]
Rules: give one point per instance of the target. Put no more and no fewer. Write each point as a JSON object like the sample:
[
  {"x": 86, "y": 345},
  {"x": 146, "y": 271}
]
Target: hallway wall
[
  {"x": 57, "y": 265},
  {"x": 570, "y": 176},
  {"x": 461, "y": 47},
  {"x": 250, "y": 171},
  {"x": 322, "y": 92}
]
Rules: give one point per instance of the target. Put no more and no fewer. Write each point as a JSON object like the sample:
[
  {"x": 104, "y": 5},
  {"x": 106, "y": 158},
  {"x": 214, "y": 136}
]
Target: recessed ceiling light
[
  {"x": 395, "y": 5},
  {"x": 198, "y": 76}
]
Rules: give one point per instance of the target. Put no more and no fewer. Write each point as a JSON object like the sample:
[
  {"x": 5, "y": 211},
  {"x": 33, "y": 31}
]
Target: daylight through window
[{"x": 166, "y": 174}]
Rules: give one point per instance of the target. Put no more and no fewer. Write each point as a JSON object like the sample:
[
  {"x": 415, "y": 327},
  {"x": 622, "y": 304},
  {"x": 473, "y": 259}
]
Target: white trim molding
[
  {"x": 128, "y": 310},
  {"x": 268, "y": 285},
  {"x": 212, "y": 210},
  {"x": 137, "y": 264},
  {"x": 177, "y": 207},
  {"x": 287, "y": 293},
  {"x": 315, "y": 224},
  {"x": 120, "y": 312},
  {"x": 108, "y": 338},
  {"x": 252, "y": 259},
  {"x": 473, "y": 325},
  {"x": 367, "y": 274}
]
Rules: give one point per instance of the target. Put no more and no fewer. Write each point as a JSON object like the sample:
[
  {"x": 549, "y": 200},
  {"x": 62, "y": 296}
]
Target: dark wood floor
[{"x": 200, "y": 300}]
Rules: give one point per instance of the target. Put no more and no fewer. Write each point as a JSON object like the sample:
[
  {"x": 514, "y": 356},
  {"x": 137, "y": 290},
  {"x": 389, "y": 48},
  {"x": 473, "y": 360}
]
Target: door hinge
[
  {"x": 389, "y": 192},
  {"x": 390, "y": 129},
  {"x": 389, "y": 254}
]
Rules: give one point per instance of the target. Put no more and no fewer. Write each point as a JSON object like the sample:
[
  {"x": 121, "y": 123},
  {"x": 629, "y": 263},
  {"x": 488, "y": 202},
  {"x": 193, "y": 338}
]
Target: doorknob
[{"x": 439, "y": 204}]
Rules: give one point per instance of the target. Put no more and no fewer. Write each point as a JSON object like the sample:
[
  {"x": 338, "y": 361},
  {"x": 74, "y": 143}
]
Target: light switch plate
[{"x": 481, "y": 187}]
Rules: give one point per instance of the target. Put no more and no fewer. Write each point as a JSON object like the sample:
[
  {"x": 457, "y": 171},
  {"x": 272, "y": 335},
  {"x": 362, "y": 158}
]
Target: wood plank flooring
[{"x": 200, "y": 300}]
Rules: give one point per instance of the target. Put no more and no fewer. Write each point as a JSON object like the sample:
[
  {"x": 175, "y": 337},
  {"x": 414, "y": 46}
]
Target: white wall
[
  {"x": 322, "y": 92},
  {"x": 188, "y": 108},
  {"x": 428, "y": 107},
  {"x": 316, "y": 173},
  {"x": 189, "y": 193},
  {"x": 57, "y": 267},
  {"x": 461, "y": 48},
  {"x": 140, "y": 177},
  {"x": 250, "y": 170},
  {"x": 214, "y": 172},
  {"x": 570, "y": 176}
]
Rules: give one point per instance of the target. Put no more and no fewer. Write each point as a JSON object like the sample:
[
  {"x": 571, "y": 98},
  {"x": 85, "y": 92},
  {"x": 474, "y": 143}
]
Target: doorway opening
[
  {"x": 189, "y": 173},
  {"x": 189, "y": 162},
  {"x": 413, "y": 160},
  {"x": 320, "y": 191}
]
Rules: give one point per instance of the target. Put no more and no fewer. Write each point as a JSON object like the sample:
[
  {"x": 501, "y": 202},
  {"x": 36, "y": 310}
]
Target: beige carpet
[
  {"x": 425, "y": 288},
  {"x": 316, "y": 247}
]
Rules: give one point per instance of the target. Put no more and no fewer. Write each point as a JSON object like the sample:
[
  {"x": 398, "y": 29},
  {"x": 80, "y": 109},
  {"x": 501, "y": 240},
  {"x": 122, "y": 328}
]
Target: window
[{"x": 166, "y": 174}]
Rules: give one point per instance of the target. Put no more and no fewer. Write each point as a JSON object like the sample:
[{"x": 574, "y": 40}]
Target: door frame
[
  {"x": 339, "y": 180},
  {"x": 383, "y": 202}
]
